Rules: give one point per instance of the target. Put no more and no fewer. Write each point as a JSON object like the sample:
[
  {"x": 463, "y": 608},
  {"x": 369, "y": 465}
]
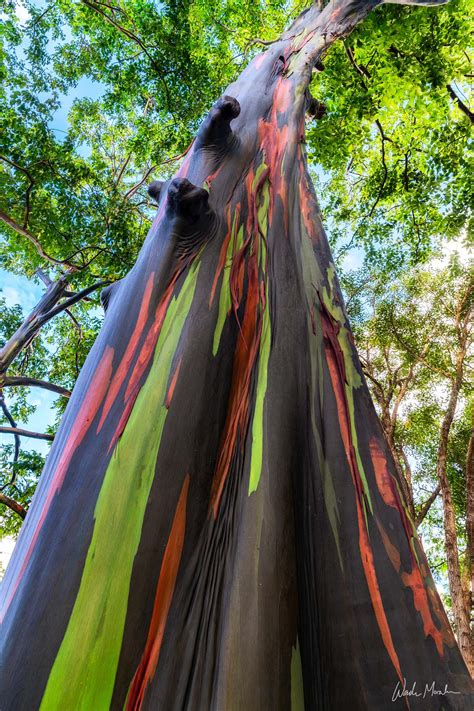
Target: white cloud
[
  {"x": 457, "y": 246},
  {"x": 11, "y": 295},
  {"x": 22, "y": 13}
]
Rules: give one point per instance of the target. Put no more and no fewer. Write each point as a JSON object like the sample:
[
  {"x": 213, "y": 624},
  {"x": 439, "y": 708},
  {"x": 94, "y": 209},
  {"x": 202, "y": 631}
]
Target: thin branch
[
  {"x": 21, "y": 381},
  {"x": 150, "y": 170},
  {"x": 12, "y": 422},
  {"x": 383, "y": 138},
  {"x": 423, "y": 510},
  {"x": 49, "y": 306},
  {"x": 257, "y": 40},
  {"x": 28, "y": 189},
  {"x": 363, "y": 71},
  {"x": 26, "y": 433},
  {"x": 37, "y": 244},
  {"x": 72, "y": 300},
  {"x": 134, "y": 38},
  {"x": 462, "y": 106},
  {"x": 13, "y": 505}
]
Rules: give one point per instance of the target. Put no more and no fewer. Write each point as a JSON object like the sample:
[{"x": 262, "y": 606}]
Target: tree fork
[{"x": 219, "y": 524}]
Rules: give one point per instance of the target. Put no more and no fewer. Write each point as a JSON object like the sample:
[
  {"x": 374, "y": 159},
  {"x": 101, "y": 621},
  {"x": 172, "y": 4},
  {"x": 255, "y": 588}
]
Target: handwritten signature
[{"x": 401, "y": 690}]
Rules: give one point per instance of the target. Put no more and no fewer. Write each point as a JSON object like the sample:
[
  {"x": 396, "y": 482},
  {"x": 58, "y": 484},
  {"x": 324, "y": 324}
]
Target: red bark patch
[
  {"x": 335, "y": 361},
  {"x": 374, "y": 590},
  {"x": 244, "y": 361},
  {"x": 174, "y": 380},
  {"x": 123, "y": 368},
  {"x": 415, "y": 582},
  {"x": 164, "y": 595}
]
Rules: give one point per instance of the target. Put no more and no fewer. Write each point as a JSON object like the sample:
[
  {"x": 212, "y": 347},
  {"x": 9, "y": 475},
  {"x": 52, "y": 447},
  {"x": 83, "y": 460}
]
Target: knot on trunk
[
  {"x": 154, "y": 190},
  {"x": 186, "y": 200},
  {"x": 107, "y": 294},
  {"x": 314, "y": 108},
  {"x": 216, "y": 133},
  {"x": 193, "y": 219}
]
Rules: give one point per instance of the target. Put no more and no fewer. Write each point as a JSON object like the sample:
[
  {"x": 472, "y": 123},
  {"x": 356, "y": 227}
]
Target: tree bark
[{"x": 219, "y": 524}]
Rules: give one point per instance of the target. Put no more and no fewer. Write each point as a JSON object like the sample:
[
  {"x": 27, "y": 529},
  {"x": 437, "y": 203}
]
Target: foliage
[{"x": 395, "y": 147}]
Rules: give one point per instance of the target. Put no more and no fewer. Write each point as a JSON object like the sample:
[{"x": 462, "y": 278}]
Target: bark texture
[{"x": 220, "y": 524}]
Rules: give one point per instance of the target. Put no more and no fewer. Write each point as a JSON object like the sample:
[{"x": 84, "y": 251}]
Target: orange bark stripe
[
  {"x": 174, "y": 380},
  {"x": 337, "y": 379},
  {"x": 387, "y": 486},
  {"x": 244, "y": 360},
  {"x": 164, "y": 595},
  {"x": 392, "y": 552},
  {"x": 343, "y": 417},
  {"x": 414, "y": 581},
  {"x": 383, "y": 478},
  {"x": 122, "y": 370},
  {"x": 440, "y": 612},
  {"x": 143, "y": 359},
  {"x": 374, "y": 591},
  {"x": 152, "y": 336}
]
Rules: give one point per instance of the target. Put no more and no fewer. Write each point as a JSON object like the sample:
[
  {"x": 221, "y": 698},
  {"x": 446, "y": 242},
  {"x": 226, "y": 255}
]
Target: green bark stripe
[
  {"x": 311, "y": 276},
  {"x": 353, "y": 379},
  {"x": 297, "y": 691},
  {"x": 265, "y": 342},
  {"x": 225, "y": 301},
  {"x": 83, "y": 674},
  {"x": 257, "y": 425}
]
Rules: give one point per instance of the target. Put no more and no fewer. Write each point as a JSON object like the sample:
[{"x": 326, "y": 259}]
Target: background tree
[{"x": 414, "y": 336}]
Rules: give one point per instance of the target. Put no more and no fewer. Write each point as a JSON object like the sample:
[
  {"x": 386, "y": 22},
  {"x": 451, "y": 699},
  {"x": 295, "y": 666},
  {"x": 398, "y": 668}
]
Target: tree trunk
[
  {"x": 458, "y": 597},
  {"x": 470, "y": 522},
  {"x": 219, "y": 524}
]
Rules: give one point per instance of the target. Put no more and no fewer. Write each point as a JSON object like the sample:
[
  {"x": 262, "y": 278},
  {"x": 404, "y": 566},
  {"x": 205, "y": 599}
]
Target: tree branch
[
  {"x": 37, "y": 244},
  {"x": 134, "y": 38},
  {"x": 24, "y": 382},
  {"x": 423, "y": 510},
  {"x": 44, "y": 311},
  {"x": 462, "y": 106},
  {"x": 12, "y": 422},
  {"x": 13, "y": 505},
  {"x": 26, "y": 433}
]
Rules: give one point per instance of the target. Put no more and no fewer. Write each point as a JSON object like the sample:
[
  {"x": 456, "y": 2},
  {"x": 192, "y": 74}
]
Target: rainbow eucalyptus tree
[{"x": 220, "y": 524}]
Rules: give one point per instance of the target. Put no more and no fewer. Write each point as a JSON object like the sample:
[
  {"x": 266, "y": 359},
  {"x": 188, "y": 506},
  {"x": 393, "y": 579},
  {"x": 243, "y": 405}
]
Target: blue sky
[{"x": 26, "y": 293}]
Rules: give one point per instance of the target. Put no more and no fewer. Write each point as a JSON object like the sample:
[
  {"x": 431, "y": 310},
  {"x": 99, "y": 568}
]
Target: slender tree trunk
[
  {"x": 398, "y": 454},
  {"x": 219, "y": 524}
]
